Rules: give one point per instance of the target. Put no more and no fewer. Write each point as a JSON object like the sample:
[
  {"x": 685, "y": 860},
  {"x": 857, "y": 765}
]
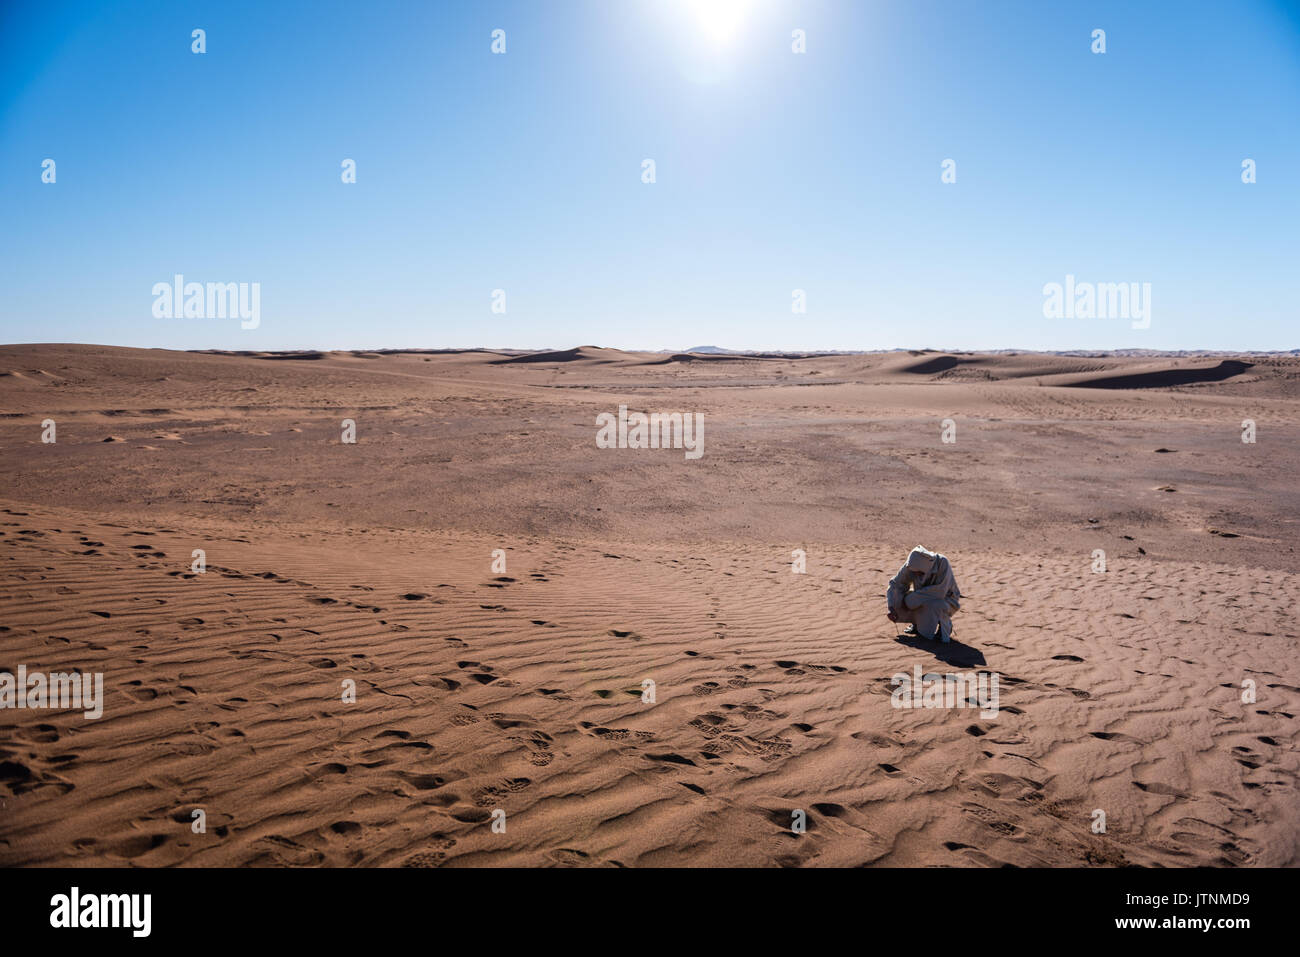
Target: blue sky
[{"x": 775, "y": 171}]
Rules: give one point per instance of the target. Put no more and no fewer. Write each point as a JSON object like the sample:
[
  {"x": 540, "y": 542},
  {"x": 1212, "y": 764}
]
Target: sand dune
[{"x": 521, "y": 690}]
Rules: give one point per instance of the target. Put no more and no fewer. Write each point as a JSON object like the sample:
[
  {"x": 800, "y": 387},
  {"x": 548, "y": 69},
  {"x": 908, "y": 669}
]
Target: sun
[{"x": 719, "y": 20}]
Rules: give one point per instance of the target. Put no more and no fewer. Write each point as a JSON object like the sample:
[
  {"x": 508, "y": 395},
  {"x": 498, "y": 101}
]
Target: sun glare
[{"x": 719, "y": 20}]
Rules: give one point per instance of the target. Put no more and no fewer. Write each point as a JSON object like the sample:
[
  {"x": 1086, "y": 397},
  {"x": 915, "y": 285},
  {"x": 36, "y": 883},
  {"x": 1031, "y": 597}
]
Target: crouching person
[{"x": 925, "y": 593}]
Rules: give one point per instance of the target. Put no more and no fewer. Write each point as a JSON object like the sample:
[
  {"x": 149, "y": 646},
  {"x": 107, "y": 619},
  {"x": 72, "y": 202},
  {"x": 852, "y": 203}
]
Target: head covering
[{"x": 921, "y": 560}]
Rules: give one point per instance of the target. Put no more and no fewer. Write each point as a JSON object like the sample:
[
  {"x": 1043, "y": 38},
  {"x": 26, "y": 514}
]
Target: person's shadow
[{"x": 954, "y": 653}]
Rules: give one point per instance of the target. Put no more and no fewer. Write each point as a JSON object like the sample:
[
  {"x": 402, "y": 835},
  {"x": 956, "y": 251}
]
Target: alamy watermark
[
  {"x": 1102, "y": 300},
  {"x": 57, "y": 690},
  {"x": 179, "y": 299},
  {"x": 656, "y": 430},
  {"x": 931, "y": 690},
  {"x": 75, "y": 909}
]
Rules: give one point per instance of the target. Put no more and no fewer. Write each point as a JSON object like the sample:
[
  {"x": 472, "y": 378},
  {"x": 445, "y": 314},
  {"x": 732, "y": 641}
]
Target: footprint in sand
[
  {"x": 990, "y": 819},
  {"x": 539, "y": 745},
  {"x": 427, "y": 782},
  {"x": 464, "y": 719},
  {"x": 1158, "y": 788},
  {"x": 133, "y": 847},
  {"x": 432, "y": 858},
  {"x": 483, "y": 674},
  {"x": 569, "y": 857},
  {"x": 442, "y": 684},
  {"x": 670, "y": 757},
  {"x": 711, "y": 724},
  {"x": 612, "y": 734},
  {"x": 38, "y": 734},
  {"x": 508, "y": 722},
  {"x": 284, "y": 852},
  {"x": 605, "y": 734},
  {"x": 491, "y": 795}
]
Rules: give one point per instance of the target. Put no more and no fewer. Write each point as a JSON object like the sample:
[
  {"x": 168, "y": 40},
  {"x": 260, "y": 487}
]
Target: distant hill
[{"x": 1074, "y": 353}]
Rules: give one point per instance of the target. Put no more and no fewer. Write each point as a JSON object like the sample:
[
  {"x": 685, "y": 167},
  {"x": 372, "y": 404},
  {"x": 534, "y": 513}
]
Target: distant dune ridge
[{"x": 521, "y": 689}]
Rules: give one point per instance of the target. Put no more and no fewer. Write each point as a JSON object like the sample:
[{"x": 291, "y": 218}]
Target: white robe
[{"x": 925, "y": 593}]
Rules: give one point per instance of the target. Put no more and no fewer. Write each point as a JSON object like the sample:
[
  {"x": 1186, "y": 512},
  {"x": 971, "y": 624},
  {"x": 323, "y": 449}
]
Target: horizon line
[{"x": 696, "y": 350}]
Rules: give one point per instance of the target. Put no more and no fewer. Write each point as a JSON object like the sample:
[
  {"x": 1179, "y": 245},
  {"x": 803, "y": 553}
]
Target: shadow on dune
[
  {"x": 930, "y": 366},
  {"x": 705, "y": 357},
  {"x": 252, "y": 354},
  {"x": 563, "y": 355},
  {"x": 728, "y": 357},
  {"x": 954, "y": 653},
  {"x": 1166, "y": 377}
]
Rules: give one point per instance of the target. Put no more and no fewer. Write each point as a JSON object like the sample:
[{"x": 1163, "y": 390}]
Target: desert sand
[{"x": 521, "y": 690}]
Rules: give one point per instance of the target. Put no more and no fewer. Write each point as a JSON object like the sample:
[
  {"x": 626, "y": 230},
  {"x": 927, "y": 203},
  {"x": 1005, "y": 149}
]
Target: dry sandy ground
[{"x": 521, "y": 691}]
